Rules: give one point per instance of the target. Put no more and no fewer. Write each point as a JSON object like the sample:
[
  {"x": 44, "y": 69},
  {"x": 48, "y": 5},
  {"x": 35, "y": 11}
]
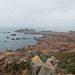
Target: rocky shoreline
[
  {"x": 58, "y": 44},
  {"x": 31, "y": 31}
]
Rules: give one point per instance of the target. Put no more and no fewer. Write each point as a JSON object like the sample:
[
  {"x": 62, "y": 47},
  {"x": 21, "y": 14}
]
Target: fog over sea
[{"x": 7, "y": 43}]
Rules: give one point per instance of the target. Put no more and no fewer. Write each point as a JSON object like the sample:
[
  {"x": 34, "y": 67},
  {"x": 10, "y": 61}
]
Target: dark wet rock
[
  {"x": 12, "y": 38},
  {"x": 3, "y": 32},
  {"x": 4, "y": 41},
  {"x": 12, "y": 34},
  {"x": 7, "y": 32},
  {"x": 34, "y": 37},
  {"x": 18, "y": 49},
  {"x": 20, "y": 38},
  {"x": 17, "y": 38},
  {"x": 24, "y": 38},
  {"x": 7, "y": 37}
]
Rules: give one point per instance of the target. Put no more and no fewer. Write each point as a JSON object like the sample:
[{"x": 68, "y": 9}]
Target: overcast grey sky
[{"x": 39, "y": 13}]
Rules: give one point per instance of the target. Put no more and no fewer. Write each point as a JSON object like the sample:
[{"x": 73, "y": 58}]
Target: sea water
[
  {"x": 14, "y": 44},
  {"x": 7, "y": 43}
]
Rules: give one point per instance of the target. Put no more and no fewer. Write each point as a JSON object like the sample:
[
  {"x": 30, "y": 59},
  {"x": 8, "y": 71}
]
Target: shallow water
[{"x": 14, "y": 44}]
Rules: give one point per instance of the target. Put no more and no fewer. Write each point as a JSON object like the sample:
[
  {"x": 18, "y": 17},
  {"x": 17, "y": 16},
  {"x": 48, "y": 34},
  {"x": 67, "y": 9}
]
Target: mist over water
[
  {"x": 43, "y": 28},
  {"x": 55, "y": 29}
]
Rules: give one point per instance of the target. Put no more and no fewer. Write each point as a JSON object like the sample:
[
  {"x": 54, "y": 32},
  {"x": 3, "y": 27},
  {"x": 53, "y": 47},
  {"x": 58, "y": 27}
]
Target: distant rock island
[
  {"x": 25, "y": 30},
  {"x": 32, "y": 31}
]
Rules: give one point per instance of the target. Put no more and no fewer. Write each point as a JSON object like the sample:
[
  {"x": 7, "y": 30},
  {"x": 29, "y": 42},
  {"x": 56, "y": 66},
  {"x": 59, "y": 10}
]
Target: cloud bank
[{"x": 39, "y": 13}]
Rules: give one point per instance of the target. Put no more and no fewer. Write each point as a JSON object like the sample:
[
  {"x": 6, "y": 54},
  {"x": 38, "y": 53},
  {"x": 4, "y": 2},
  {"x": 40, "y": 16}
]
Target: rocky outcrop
[
  {"x": 26, "y": 30},
  {"x": 47, "y": 68},
  {"x": 36, "y": 63},
  {"x": 34, "y": 53},
  {"x": 7, "y": 37},
  {"x": 12, "y": 34},
  {"x": 21, "y": 38},
  {"x": 72, "y": 33},
  {"x": 12, "y": 38},
  {"x": 4, "y": 57},
  {"x": 17, "y": 38}
]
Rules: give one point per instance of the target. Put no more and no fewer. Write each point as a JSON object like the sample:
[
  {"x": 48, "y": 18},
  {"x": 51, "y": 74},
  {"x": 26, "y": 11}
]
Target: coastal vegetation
[{"x": 57, "y": 44}]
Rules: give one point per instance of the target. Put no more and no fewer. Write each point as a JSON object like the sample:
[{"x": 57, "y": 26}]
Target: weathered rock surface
[
  {"x": 26, "y": 30},
  {"x": 12, "y": 38},
  {"x": 34, "y": 53},
  {"x": 12, "y": 34},
  {"x": 7, "y": 37},
  {"x": 17, "y": 38},
  {"x": 4, "y": 56},
  {"x": 16, "y": 64},
  {"x": 47, "y": 68}
]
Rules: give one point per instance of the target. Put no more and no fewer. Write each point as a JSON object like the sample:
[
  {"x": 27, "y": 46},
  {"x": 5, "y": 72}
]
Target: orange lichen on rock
[{"x": 36, "y": 58}]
